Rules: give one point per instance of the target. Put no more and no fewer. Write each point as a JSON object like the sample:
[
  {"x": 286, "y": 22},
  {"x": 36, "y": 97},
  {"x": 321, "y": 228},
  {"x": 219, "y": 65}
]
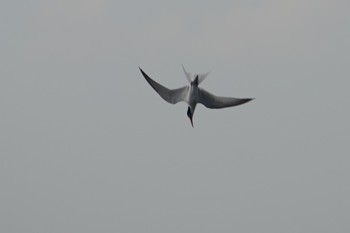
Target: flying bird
[{"x": 193, "y": 94}]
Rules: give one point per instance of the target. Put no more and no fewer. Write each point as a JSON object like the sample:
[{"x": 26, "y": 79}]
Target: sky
[{"x": 86, "y": 145}]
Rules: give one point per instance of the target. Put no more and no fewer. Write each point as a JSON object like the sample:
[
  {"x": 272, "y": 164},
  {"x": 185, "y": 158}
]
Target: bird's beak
[{"x": 191, "y": 122}]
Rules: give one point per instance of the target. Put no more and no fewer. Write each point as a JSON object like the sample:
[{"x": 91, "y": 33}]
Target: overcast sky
[{"x": 86, "y": 145}]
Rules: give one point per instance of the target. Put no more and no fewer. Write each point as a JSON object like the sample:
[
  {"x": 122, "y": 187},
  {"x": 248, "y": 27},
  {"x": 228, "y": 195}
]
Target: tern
[{"x": 193, "y": 94}]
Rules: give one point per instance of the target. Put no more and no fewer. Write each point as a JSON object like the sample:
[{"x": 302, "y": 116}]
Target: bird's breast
[{"x": 193, "y": 95}]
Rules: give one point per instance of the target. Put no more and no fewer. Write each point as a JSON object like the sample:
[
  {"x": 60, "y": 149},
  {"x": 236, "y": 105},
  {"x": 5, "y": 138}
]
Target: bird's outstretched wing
[
  {"x": 172, "y": 96},
  {"x": 211, "y": 101}
]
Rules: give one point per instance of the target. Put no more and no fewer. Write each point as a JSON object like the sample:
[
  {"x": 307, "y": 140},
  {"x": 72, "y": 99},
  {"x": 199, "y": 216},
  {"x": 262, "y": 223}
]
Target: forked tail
[{"x": 189, "y": 76}]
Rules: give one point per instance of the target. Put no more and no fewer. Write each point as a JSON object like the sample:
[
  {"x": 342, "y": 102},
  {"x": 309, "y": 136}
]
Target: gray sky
[{"x": 86, "y": 145}]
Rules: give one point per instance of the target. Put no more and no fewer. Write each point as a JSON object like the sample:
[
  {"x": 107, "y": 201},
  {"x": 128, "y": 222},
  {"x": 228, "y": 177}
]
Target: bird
[{"x": 193, "y": 94}]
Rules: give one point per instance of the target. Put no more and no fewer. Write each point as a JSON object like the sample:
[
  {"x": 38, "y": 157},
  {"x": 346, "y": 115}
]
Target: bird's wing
[
  {"x": 172, "y": 96},
  {"x": 188, "y": 75},
  {"x": 211, "y": 101}
]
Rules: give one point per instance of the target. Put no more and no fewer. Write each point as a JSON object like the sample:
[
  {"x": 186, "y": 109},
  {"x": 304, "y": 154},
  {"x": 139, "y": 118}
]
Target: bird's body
[
  {"x": 193, "y": 94},
  {"x": 192, "y": 98}
]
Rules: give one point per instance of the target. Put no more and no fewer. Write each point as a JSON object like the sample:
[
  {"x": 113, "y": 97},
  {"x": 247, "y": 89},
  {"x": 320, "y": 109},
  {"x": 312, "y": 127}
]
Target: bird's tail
[
  {"x": 201, "y": 77},
  {"x": 188, "y": 75}
]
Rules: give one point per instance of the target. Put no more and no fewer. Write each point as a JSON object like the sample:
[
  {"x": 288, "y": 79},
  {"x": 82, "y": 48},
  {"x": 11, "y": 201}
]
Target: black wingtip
[
  {"x": 143, "y": 73},
  {"x": 248, "y": 100},
  {"x": 245, "y": 100}
]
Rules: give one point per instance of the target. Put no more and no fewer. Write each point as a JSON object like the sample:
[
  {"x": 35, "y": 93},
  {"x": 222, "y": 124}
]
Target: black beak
[
  {"x": 191, "y": 122},
  {"x": 189, "y": 114}
]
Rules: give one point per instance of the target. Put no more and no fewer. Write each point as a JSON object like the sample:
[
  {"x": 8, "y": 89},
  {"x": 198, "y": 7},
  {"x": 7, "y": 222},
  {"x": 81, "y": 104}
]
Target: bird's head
[{"x": 190, "y": 115}]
